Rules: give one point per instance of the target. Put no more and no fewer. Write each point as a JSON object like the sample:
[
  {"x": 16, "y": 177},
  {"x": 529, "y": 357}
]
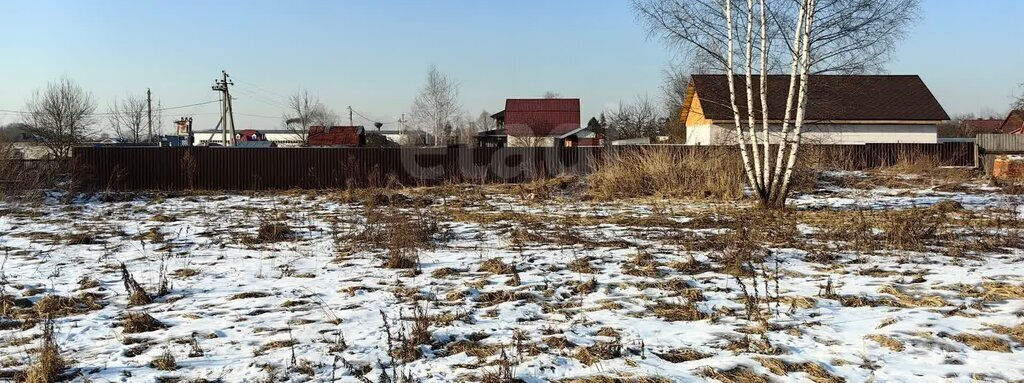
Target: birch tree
[
  {"x": 436, "y": 107},
  {"x": 746, "y": 38},
  {"x": 62, "y": 115}
]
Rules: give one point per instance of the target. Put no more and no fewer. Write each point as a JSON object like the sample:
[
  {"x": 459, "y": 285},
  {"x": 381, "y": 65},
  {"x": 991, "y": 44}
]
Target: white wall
[{"x": 824, "y": 134}]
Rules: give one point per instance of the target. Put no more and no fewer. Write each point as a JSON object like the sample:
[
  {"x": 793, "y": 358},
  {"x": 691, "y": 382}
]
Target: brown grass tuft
[
  {"x": 133, "y": 323},
  {"x": 983, "y": 342},
  {"x": 680, "y": 312},
  {"x": 680, "y": 355},
  {"x": 739, "y": 374},
  {"x": 496, "y": 266},
  {"x": 653, "y": 171},
  {"x": 48, "y": 364},
  {"x": 164, "y": 362},
  {"x": 1016, "y": 333},
  {"x": 886, "y": 341}
]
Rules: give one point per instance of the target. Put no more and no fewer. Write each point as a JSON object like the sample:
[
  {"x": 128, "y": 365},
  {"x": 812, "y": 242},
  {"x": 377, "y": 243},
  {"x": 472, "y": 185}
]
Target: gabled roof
[
  {"x": 1014, "y": 123},
  {"x": 541, "y": 117},
  {"x": 984, "y": 126},
  {"x": 830, "y": 98},
  {"x": 336, "y": 136}
]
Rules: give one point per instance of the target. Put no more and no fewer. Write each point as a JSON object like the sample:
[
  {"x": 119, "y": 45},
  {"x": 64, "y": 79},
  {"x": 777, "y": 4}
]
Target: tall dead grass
[
  {"x": 23, "y": 180},
  {"x": 657, "y": 171}
]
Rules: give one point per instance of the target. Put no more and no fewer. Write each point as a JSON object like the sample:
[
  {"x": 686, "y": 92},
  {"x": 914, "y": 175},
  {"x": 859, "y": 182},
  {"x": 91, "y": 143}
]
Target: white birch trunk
[
  {"x": 751, "y": 180},
  {"x": 752, "y": 123},
  {"x": 766, "y": 168},
  {"x": 794, "y": 72},
  {"x": 801, "y": 107}
]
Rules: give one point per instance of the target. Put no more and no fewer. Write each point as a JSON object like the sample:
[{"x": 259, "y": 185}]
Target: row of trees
[{"x": 63, "y": 114}]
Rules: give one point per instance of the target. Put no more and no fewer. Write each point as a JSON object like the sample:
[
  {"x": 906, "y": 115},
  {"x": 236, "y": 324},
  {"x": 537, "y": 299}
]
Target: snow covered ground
[{"x": 483, "y": 283}]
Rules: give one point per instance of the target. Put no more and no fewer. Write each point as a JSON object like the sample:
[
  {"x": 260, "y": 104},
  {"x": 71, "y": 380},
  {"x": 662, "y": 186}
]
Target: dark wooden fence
[{"x": 220, "y": 168}]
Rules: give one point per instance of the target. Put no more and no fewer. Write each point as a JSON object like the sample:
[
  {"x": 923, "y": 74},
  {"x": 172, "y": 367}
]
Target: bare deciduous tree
[
  {"x": 673, "y": 94},
  {"x": 129, "y": 119},
  {"x": 306, "y": 110},
  {"x": 635, "y": 120},
  {"x": 1018, "y": 104},
  {"x": 813, "y": 36},
  {"x": 61, "y": 115},
  {"x": 436, "y": 107}
]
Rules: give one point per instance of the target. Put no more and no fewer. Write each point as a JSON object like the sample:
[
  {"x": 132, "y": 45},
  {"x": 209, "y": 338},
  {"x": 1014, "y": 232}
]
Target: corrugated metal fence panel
[{"x": 219, "y": 168}]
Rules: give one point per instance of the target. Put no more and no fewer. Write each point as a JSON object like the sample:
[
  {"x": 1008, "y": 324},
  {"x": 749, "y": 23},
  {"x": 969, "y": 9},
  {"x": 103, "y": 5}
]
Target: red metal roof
[
  {"x": 984, "y": 126},
  {"x": 1014, "y": 123},
  {"x": 541, "y": 117},
  {"x": 336, "y": 136}
]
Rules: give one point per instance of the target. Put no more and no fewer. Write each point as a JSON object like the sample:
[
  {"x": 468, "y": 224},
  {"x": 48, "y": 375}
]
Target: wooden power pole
[
  {"x": 227, "y": 115},
  {"x": 149, "y": 112}
]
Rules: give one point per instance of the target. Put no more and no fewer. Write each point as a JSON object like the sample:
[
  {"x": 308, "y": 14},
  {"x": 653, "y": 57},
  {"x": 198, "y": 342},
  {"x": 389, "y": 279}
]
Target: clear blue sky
[{"x": 373, "y": 55}]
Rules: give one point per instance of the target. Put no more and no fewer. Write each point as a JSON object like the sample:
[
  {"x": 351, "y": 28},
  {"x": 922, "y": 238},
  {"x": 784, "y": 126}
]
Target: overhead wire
[{"x": 111, "y": 113}]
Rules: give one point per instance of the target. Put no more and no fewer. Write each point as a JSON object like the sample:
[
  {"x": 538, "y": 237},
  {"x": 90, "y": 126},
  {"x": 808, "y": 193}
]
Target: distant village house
[{"x": 846, "y": 110}]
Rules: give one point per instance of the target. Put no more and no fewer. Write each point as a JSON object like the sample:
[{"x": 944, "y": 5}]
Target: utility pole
[
  {"x": 227, "y": 115},
  {"x": 149, "y": 112},
  {"x": 350, "y": 123}
]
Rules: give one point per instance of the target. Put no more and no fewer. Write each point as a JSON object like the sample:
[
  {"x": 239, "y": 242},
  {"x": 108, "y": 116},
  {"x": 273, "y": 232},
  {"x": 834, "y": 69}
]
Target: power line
[
  {"x": 111, "y": 114},
  {"x": 262, "y": 99},
  {"x": 270, "y": 92},
  {"x": 374, "y": 121},
  {"x": 258, "y": 115}
]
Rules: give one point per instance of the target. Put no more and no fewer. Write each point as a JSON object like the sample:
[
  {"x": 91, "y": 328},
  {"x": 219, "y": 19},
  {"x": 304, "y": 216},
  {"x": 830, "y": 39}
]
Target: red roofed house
[
  {"x": 840, "y": 110},
  {"x": 350, "y": 136},
  {"x": 1014, "y": 123},
  {"x": 543, "y": 122},
  {"x": 991, "y": 125}
]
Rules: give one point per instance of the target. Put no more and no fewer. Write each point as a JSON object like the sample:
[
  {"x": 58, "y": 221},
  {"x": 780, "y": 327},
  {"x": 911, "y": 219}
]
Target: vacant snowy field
[{"x": 886, "y": 279}]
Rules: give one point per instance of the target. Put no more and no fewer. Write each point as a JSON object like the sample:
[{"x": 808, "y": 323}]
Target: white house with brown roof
[{"x": 844, "y": 110}]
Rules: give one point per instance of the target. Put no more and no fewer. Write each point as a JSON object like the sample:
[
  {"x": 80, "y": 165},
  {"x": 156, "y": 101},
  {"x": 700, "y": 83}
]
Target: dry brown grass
[
  {"x": 679, "y": 312},
  {"x": 995, "y": 291},
  {"x": 164, "y": 362},
  {"x": 496, "y": 266},
  {"x": 815, "y": 372},
  {"x": 581, "y": 265},
  {"x": 48, "y": 363},
  {"x": 25, "y": 181},
  {"x": 133, "y": 323},
  {"x": 55, "y": 306},
  {"x": 680, "y": 355},
  {"x": 739, "y": 374},
  {"x": 473, "y": 348},
  {"x": 590, "y": 355},
  {"x": 653, "y": 171},
  {"x": 616, "y": 379},
  {"x": 983, "y": 342},
  {"x": 1016, "y": 332},
  {"x": 249, "y": 295},
  {"x": 273, "y": 232},
  {"x": 886, "y": 341},
  {"x": 908, "y": 301}
]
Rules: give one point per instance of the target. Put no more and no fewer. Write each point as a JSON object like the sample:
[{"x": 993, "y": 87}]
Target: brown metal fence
[{"x": 220, "y": 168}]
